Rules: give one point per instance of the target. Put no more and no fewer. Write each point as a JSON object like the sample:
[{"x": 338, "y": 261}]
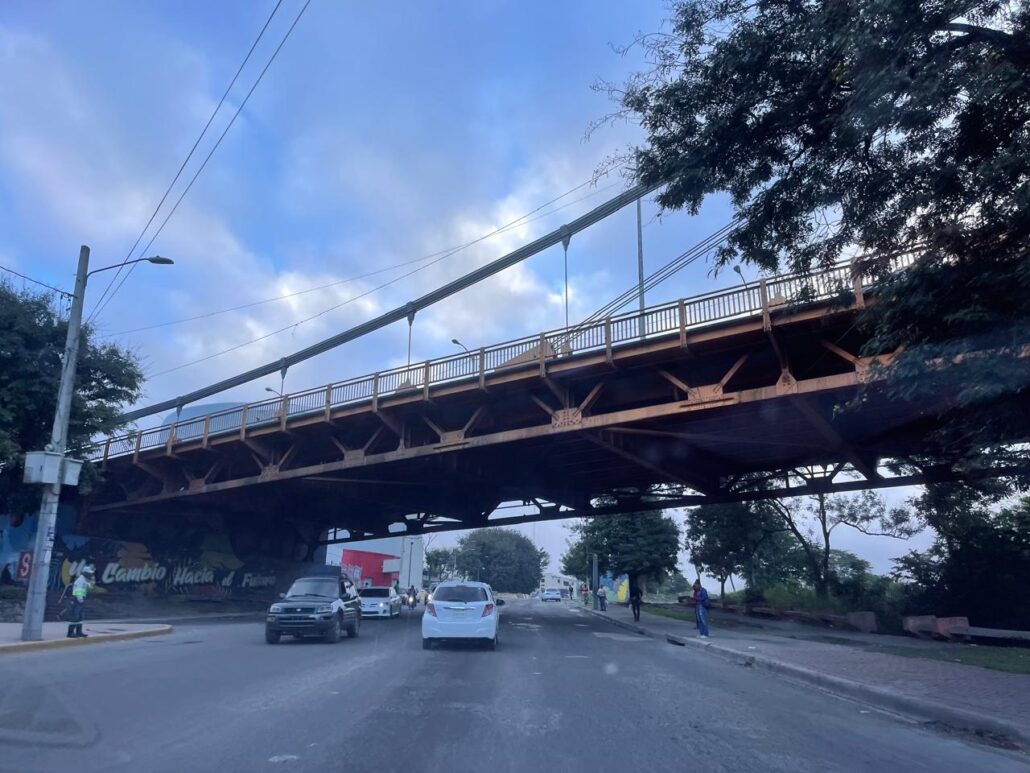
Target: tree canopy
[
  {"x": 641, "y": 545},
  {"x": 874, "y": 129},
  {"x": 32, "y": 338},
  {"x": 979, "y": 566},
  {"x": 506, "y": 560}
]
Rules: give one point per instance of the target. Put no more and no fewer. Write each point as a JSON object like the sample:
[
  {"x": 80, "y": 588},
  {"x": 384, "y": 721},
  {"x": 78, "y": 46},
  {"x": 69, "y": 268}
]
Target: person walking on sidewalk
[
  {"x": 602, "y": 598},
  {"x": 701, "y": 608},
  {"x": 636, "y": 596},
  {"x": 80, "y": 589}
]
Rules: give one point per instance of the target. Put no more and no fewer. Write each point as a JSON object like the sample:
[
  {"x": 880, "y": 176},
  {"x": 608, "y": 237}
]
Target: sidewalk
[
  {"x": 54, "y": 635},
  {"x": 978, "y": 699}
]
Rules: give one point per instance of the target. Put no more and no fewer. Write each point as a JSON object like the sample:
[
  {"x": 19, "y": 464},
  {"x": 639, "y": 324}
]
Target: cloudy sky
[{"x": 382, "y": 133}]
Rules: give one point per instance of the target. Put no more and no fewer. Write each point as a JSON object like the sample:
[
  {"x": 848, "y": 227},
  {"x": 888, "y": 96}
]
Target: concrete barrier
[
  {"x": 920, "y": 625},
  {"x": 862, "y": 621},
  {"x": 951, "y": 627}
]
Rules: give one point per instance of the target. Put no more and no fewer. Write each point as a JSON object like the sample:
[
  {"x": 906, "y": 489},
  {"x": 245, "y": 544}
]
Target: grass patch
[
  {"x": 1014, "y": 660},
  {"x": 675, "y": 614}
]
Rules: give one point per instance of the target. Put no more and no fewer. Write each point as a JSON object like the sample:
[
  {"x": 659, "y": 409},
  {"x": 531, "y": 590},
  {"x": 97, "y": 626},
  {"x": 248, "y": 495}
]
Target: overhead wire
[
  {"x": 36, "y": 281},
  {"x": 441, "y": 257},
  {"x": 662, "y": 274},
  {"x": 186, "y": 161},
  {"x": 211, "y": 152},
  {"x": 525, "y": 219}
]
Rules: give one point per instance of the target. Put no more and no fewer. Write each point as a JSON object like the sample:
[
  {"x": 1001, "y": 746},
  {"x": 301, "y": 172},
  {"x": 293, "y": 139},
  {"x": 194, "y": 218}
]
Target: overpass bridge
[{"x": 706, "y": 394}]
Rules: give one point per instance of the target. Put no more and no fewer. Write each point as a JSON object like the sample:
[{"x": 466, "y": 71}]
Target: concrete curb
[
  {"x": 257, "y": 615},
  {"x": 920, "y": 708},
  {"x": 94, "y": 638}
]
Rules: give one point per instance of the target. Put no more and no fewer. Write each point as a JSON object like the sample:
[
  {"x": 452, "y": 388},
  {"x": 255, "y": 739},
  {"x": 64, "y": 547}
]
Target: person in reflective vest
[{"x": 80, "y": 589}]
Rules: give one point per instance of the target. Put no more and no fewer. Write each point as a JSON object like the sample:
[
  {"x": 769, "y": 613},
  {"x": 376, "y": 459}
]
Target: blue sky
[{"x": 381, "y": 133}]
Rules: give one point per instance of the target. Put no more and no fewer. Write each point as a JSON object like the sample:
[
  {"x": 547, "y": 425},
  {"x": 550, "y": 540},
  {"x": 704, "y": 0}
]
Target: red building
[{"x": 367, "y": 568}]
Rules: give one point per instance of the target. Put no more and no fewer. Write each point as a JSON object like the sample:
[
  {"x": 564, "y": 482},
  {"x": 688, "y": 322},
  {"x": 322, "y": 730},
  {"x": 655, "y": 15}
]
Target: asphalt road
[{"x": 564, "y": 692}]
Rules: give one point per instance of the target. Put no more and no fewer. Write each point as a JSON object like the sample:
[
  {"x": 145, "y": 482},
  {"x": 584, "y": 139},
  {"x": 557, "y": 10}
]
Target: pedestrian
[
  {"x": 80, "y": 589},
  {"x": 602, "y": 597},
  {"x": 701, "y": 608},
  {"x": 636, "y": 596}
]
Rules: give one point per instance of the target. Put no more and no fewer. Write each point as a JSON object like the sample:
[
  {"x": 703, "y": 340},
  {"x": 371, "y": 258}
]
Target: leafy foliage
[
  {"x": 723, "y": 539},
  {"x": 812, "y": 521},
  {"x": 506, "y": 560},
  {"x": 642, "y": 545},
  {"x": 440, "y": 561},
  {"x": 32, "y": 338},
  {"x": 980, "y": 565},
  {"x": 876, "y": 128}
]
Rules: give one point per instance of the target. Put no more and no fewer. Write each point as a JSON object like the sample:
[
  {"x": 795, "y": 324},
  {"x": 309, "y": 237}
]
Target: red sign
[{"x": 24, "y": 565}]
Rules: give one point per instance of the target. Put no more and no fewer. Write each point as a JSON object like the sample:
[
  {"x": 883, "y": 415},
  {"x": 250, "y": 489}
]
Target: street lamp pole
[
  {"x": 456, "y": 342},
  {"x": 35, "y": 599}
]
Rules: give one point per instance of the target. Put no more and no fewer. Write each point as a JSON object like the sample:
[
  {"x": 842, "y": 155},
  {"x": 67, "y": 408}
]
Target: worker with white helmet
[{"x": 80, "y": 589}]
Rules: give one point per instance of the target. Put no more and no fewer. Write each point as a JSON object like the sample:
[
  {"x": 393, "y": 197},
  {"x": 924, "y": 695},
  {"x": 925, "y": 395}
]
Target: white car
[
  {"x": 461, "y": 610},
  {"x": 380, "y": 601},
  {"x": 551, "y": 594}
]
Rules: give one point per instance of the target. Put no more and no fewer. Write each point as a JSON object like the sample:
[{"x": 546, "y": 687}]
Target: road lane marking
[
  {"x": 283, "y": 758},
  {"x": 585, "y": 657}
]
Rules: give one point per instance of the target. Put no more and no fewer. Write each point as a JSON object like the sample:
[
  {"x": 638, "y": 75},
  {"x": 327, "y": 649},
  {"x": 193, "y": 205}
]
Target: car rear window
[
  {"x": 374, "y": 593},
  {"x": 460, "y": 593}
]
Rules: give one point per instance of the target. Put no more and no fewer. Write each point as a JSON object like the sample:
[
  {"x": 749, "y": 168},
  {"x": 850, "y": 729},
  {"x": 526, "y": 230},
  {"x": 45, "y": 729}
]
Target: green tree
[
  {"x": 440, "y": 561},
  {"x": 32, "y": 337},
  {"x": 722, "y": 539},
  {"x": 506, "y": 560},
  {"x": 641, "y": 545},
  {"x": 877, "y": 128},
  {"x": 812, "y": 521},
  {"x": 979, "y": 566}
]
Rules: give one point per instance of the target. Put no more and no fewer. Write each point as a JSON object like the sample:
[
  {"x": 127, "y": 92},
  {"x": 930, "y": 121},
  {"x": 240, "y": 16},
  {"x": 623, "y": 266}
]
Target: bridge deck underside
[{"x": 699, "y": 412}]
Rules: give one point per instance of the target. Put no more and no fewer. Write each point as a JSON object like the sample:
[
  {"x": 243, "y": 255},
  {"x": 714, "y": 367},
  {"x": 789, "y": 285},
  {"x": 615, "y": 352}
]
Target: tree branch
[{"x": 985, "y": 34}]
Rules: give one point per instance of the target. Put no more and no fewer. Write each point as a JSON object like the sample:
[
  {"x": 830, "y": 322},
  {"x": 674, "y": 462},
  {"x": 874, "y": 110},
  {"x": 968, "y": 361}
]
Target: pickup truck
[{"x": 319, "y": 605}]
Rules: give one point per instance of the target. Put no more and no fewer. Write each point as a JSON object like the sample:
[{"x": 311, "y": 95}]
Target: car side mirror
[
  {"x": 282, "y": 595},
  {"x": 500, "y": 602}
]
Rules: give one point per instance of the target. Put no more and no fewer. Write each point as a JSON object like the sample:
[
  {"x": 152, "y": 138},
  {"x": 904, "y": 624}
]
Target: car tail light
[
  {"x": 487, "y": 610},
  {"x": 431, "y": 609}
]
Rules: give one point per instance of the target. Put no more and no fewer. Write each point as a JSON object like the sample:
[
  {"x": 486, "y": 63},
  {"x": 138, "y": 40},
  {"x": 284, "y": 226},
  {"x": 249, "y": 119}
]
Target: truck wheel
[
  {"x": 332, "y": 634},
  {"x": 272, "y": 637},
  {"x": 352, "y": 629}
]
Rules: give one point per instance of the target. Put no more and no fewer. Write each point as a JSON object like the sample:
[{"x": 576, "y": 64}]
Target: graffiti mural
[{"x": 189, "y": 560}]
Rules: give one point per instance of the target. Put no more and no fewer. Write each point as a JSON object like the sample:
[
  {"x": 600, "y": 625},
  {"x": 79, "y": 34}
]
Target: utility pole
[
  {"x": 594, "y": 576},
  {"x": 49, "y": 466},
  {"x": 35, "y": 600},
  {"x": 640, "y": 269}
]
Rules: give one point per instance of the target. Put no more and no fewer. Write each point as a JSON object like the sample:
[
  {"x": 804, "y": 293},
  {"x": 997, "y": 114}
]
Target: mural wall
[{"x": 198, "y": 558}]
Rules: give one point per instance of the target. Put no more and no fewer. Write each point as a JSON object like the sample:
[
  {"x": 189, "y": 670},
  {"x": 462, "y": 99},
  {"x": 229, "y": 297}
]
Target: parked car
[
  {"x": 462, "y": 610},
  {"x": 322, "y": 605},
  {"x": 380, "y": 601},
  {"x": 551, "y": 594}
]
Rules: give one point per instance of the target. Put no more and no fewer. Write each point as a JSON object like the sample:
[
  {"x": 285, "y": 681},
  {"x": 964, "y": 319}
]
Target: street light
[
  {"x": 275, "y": 392},
  {"x": 456, "y": 342},
  {"x": 739, "y": 273},
  {"x": 35, "y": 599},
  {"x": 155, "y": 259}
]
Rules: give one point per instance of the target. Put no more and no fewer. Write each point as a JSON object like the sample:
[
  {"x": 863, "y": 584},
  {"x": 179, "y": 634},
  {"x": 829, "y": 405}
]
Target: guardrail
[{"x": 759, "y": 297}]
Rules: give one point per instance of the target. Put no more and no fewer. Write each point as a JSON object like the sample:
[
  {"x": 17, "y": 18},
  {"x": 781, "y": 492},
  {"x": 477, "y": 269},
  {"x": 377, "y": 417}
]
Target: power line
[
  {"x": 529, "y": 217},
  {"x": 189, "y": 155},
  {"x": 211, "y": 153},
  {"x": 514, "y": 257},
  {"x": 293, "y": 325},
  {"x": 35, "y": 281}
]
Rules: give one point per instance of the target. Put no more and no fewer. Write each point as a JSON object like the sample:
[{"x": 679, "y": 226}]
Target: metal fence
[{"x": 764, "y": 296}]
